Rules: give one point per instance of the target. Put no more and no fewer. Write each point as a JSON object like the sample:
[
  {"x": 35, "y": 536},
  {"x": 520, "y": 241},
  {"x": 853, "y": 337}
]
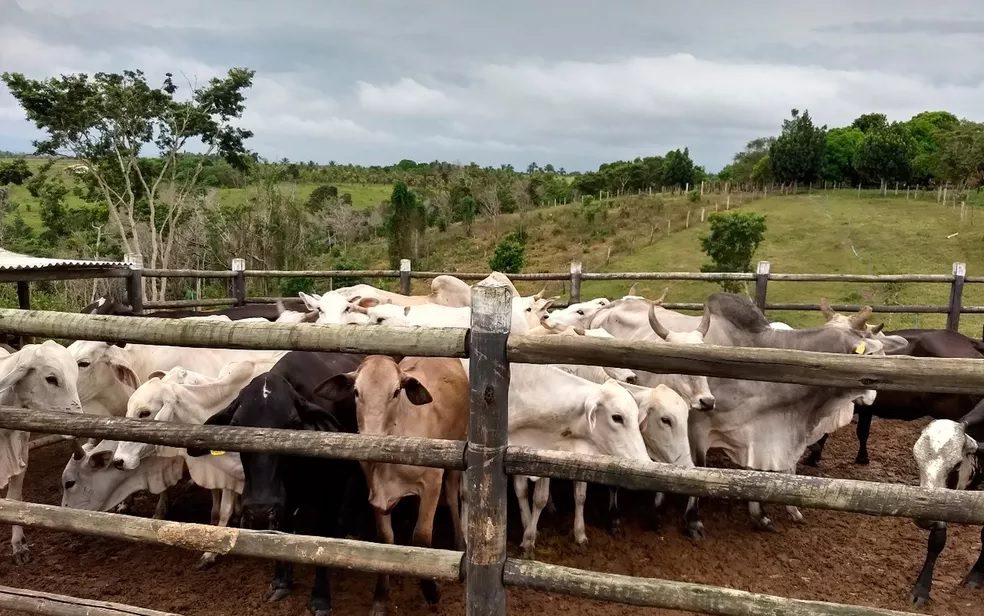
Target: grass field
[{"x": 364, "y": 196}]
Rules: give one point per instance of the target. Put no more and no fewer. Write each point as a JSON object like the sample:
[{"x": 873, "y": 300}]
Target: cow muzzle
[
  {"x": 705, "y": 403},
  {"x": 262, "y": 517}
]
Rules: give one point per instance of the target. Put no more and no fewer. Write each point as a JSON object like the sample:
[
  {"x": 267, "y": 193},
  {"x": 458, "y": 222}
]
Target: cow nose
[
  {"x": 118, "y": 463},
  {"x": 706, "y": 403}
]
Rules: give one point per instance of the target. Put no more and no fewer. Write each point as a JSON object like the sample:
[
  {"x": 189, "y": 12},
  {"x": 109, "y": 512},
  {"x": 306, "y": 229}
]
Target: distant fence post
[
  {"x": 761, "y": 284},
  {"x": 485, "y": 555},
  {"x": 239, "y": 281},
  {"x": 956, "y": 296},
  {"x": 576, "y": 281},
  {"x": 134, "y": 282},
  {"x": 405, "y": 276}
]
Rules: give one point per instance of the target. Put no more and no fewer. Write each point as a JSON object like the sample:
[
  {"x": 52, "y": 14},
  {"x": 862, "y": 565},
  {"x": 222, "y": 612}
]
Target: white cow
[
  {"x": 333, "y": 308},
  {"x": 575, "y": 315},
  {"x": 91, "y": 482},
  {"x": 39, "y": 376},
  {"x": 109, "y": 374},
  {"x": 526, "y": 313},
  {"x": 597, "y": 374},
  {"x": 445, "y": 291},
  {"x": 166, "y": 399}
]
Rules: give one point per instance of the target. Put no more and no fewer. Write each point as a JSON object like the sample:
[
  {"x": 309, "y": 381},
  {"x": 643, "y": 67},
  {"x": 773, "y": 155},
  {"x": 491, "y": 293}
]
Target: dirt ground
[{"x": 832, "y": 556}]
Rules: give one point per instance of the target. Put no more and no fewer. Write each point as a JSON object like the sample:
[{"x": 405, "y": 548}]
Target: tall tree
[
  {"x": 405, "y": 224},
  {"x": 838, "y": 154},
  {"x": 678, "y": 168},
  {"x": 928, "y": 130},
  {"x": 797, "y": 154},
  {"x": 111, "y": 121},
  {"x": 731, "y": 243},
  {"x": 962, "y": 154},
  {"x": 868, "y": 122},
  {"x": 885, "y": 154}
]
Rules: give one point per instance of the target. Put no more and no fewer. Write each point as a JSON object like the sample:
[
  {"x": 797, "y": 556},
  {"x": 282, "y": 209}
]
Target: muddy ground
[{"x": 832, "y": 556}]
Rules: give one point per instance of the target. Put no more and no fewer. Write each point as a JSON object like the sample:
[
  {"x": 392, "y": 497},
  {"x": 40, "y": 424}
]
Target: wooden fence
[{"x": 485, "y": 457}]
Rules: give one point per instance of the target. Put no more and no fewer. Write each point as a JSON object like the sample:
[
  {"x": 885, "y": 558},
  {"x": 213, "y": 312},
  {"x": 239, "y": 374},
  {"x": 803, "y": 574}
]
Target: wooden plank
[
  {"x": 652, "y": 592},
  {"x": 33, "y": 602},
  {"x": 775, "y": 365},
  {"x": 761, "y": 284},
  {"x": 188, "y": 273},
  {"x": 881, "y": 499},
  {"x": 324, "y": 274},
  {"x": 956, "y": 296},
  {"x": 192, "y": 303},
  {"x": 396, "y": 449},
  {"x": 882, "y": 309},
  {"x": 487, "y": 439},
  {"x": 709, "y": 277},
  {"x": 576, "y": 276},
  {"x": 301, "y": 549},
  {"x": 68, "y": 273},
  {"x": 417, "y": 341},
  {"x": 134, "y": 284},
  {"x": 239, "y": 281}
]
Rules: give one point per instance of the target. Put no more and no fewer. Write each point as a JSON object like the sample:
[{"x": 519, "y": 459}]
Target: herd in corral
[{"x": 675, "y": 419}]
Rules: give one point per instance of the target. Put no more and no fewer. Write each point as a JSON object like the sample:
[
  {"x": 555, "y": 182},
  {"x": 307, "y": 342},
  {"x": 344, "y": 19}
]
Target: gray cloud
[{"x": 574, "y": 84}]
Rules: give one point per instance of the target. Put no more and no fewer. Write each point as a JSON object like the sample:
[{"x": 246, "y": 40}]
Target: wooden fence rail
[{"x": 24, "y": 601}]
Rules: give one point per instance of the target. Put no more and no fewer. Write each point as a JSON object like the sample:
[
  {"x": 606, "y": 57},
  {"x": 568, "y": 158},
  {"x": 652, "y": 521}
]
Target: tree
[
  {"x": 797, "y": 154},
  {"x": 885, "y": 154},
  {"x": 678, "y": 168},
  {"x": 108, "y": 120},
  {"x": 838, "y": 154},
  {"x": 762, "y": 171},
  {"x": 404, "y": 223},
  {"x": 744, "y": 162},
  {"x": 14, "y": 172},
  {"x": 321, "y": 197},
  {"x": 466, "y": 211},
  {"x": 870, "y": 122},
  {"x": 962, "y": 154},
  {"x": 510, "y": 254},
  {"x": 928, "y": 130},
  {"x": 733, "y": 239}
]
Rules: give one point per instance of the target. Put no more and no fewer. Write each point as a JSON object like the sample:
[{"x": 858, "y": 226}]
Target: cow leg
[
  {"x": 160, "y": 511},
  {"x": 216, "y": 506},
  {"x": 975, "y": 579},
  {"x": 423, "y": 533},
  {"x": 380, "y": 597},
  {"x": 691, "y": 515},
  {"x": 924, "y": 583},
  {"x": 580, "y": 495},
  {"x": 283, "y": 581},
  {"x": 864, "y": 430},
  {"x": 452, "y": 492},
  {"x": 759, "y": 518},
  {"x": 521, "y": 486},
  {"x": 15, "y": 492},
  {"x": 814, "y": 452},
  {"x": 540, "y": 493},
  {"x": 792, "y": 510},
  {"x": 227, "y": 504},
  {"x": 324, "y": 526},
  {"x": 614, "y": 513}
]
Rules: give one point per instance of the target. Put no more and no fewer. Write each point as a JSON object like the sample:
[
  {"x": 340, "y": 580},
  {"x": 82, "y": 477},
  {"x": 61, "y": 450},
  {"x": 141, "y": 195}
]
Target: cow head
[
  {"x": 612, "y": 422},
  {"x": 944, "y": 453},
  {"x": 91, "y": 482},
  {"x": 41, "y": 376},
  {"x": 575, "y": 315},
  {"x": 663, "y": 415},
  {"x": 331, "y": 308},
  {"x": 694, "y": 389},
  {"x": 269, "y": 401},
  {"x": 106, "y": 378}
]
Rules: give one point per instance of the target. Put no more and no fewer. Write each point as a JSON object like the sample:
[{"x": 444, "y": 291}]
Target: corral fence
[
  {"x": 238, "y": 275},
  {"x": 485, "y": 568}
]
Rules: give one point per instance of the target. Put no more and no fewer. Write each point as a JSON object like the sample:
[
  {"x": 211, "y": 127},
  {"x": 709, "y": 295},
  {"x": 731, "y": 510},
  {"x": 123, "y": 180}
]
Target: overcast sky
[{"x": 571, "y": 82}]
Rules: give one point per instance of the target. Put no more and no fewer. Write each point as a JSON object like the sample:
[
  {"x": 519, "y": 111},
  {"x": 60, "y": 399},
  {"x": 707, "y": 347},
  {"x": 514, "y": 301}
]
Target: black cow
[
  {"x": 911, "y": 405},
  {"x": 291, "y": 493},
  {"x": 112, "y": 306}
]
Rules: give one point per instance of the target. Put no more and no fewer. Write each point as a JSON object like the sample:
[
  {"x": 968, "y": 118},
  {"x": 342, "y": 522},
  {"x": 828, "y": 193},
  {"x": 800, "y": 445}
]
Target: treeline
[{"x": 932, "y": 147}]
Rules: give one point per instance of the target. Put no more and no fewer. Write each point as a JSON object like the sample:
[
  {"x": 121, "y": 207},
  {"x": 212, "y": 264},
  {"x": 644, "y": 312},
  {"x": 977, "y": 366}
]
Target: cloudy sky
[{"x": 572, "y": 82}]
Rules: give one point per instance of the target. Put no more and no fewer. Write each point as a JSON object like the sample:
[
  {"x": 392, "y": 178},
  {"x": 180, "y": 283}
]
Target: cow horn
[
  {"x": 633, "y": 290},
  {"x": 705, "y": 323},
  {"x": 579, "y": 331},
  {"x": 858, "y": 320},
  {"x": 659, "y": 300},
  {"x": 540, "y": 294},
  {"x": 77, "y": 451},
  {"x": 661, "y": 331},
  {"x": 974, "y": 417},
  {"x": 877, "y": 329},
  {"x": 280, "y": 308},
  {"x": 828, "y": 312}
]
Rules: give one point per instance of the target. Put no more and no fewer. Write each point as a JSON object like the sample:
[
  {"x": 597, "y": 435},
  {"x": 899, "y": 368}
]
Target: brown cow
[{"x": 433, "y": 404}]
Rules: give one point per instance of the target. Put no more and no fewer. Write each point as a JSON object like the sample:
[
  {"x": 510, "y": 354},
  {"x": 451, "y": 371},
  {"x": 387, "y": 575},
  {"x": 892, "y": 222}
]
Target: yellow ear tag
[
  {"x": 859, "y": 349},
  {"x": 216, "y": 452}
]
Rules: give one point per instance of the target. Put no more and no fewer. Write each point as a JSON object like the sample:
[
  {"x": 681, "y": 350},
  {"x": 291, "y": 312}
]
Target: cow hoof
[
  {"x": 615, "y": 528},
  {"x": 319, "y": 607},
  {"x": 919, "y": 600},
  {"x": 862, "y": 460},
  {"x": 813, "y": 459},
  {"x": 277, "y": 594},
  {"x": 206, "y": 561},
  {"x": 695, "y": 530},
  {"x": 765, "y": 524},
  {"x": 378, "y": 609},
  {"x": 432, "y": 594},
  {"x": 529, "y": 547},
  {"x": 582, "y": 541},
  {"x": 974, "y": 580},
  {"x": 22, "y": 554}
]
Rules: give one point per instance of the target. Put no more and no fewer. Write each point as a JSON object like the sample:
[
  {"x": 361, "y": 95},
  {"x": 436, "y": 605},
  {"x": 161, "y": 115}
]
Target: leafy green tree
[
  {"x": 885, "y": 154},
  {"x": 108, "y": 121},
  {"x": 762, "y": 171},
  {"x": 797, "y": 154},
  {"x": 510, "y": 254},
  {"x": 321, "y": 197},
  {"x": 870, "y": 122},
  {"x": 732, "y": 241},
  {"x": 962, "y": 154},
  {"x": 838, "y": 154},
  {"x": 928, "y": 130},
  {"x": 14, "y": 172},
  {"x": 405, "y": 222},
  {"x": 466, "y": 211},
  {"x": 744, "y": 162},
  {"x": 678, "y": 168}
]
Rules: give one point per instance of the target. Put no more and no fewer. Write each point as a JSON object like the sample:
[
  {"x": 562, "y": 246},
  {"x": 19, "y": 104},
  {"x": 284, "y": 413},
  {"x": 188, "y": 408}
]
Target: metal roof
[{"x": 12, "y": 261}]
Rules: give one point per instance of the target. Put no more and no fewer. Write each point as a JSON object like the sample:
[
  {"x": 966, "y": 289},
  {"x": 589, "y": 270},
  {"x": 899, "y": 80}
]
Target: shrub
[
  {"x": 732, "y": 241},
  {"x": 290, "y": 287},
  {"x": 694, "y": 196},
  {"x": 510, "y": 254}
]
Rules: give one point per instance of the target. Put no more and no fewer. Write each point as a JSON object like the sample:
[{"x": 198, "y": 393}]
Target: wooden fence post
[
  {"x": 24, "y": 303},
  {"x": 134, "y": 283},
  {"x": 956, "y": 296},
  {"x": 239, "y": 281},
  {"x": 576, "y": 281},
  {"x": 485, "y": 555},
  {"x": 405, "y": 276},
  {"x": 761, "y": 284}
]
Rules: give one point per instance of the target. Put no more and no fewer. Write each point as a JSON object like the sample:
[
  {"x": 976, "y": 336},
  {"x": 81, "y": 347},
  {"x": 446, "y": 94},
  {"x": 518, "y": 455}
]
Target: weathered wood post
[
  {"x": 576, "y": 280},
  {"x": 956, "y": 296},
  {"x": 239, "y": 281},
  {"x": 405, "y": 276},
  {"x": 134, "y": 283},
  {"x": 761, "y": 284},
  {"x": 24, "y": 303},
  {"x": 488, "y": 433}
]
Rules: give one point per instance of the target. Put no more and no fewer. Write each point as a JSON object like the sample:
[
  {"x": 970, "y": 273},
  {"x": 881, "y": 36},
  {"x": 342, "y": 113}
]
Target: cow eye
[
  {"x": 52, "y": 380},
  {"x": 529, "y": 310},
  {"x": 580, "y": 312},
  {"x": 379, "y": 320},
  {"x": 666, "y": 420},
  {"x": 618, "y": 419},
  {"x": 69, "y": 485},
  {"x": 144, "y": 414},
  {"x": 83, "y": 364}
]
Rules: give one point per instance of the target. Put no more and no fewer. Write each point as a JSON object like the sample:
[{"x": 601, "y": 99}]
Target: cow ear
[
  {"x": 877, "y": 329},
  {"x": 970, "y": 445},
  {"x": 592, "y": 415},
  {"x": 415, "y": 391},
  {"x": 156, "y": 374},
  {"x": 337, "y": 388},
  {"x": 100, "y": 460},
  {"x": 368, "y": 302},
  {"x": 406, "y": 310},
  {"x": 313, "y": 417},
  {"x": 311, "y": 301},
  {"x": 125, "y": 375},
  {"x": 12, "y": 369}
]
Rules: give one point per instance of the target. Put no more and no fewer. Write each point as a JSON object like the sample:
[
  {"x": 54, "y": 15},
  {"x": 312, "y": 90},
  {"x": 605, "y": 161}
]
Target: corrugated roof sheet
[{"x": 16, "y": 261}]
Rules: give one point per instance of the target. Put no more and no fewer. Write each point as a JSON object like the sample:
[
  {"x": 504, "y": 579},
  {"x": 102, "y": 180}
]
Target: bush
[
  {"x": 347, "y": 264},
  {"x": 694, "y": 196},
  {"x": 14, "y": 172},
  {"x": 290, "y": 287},
  {"x": 320, "y": 197},
  {"x": 510, "y": 254},
  {"x": 732, "y": 241}
]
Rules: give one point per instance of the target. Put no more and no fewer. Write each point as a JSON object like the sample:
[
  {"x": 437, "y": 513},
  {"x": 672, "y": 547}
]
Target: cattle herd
[{"x": 675, "y": 419}]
